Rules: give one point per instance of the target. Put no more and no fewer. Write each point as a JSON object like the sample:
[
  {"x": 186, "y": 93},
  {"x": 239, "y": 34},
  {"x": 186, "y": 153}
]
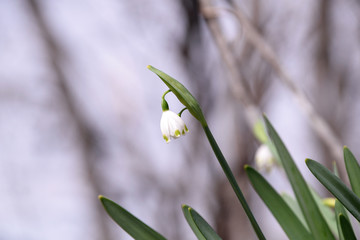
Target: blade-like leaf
[
  {"x": 205, "y": 229},
  {"x": 287, "y": 219},
  {"x": 339, "y": 209},
  {"x": 260, "y": 132},
  {"x": 335, "y": 169},
  {"x": 353, "y": 170},
  {"x": 327, "y": 213},
  {"x": 131, "y": 224},
  {"x": 349, "y": 200},
  {"x": 182, "y": 94},
  {"x": 190, "y": 220},
  {"x": 291, "y": 202},
  {"x": 346, "y": 228},
  {"x": 313, "y": 217}
]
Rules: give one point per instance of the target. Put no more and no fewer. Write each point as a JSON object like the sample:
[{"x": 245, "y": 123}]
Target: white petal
[
  {"x": 264, "y": 158},
  {"x": 170, "y": 123}
]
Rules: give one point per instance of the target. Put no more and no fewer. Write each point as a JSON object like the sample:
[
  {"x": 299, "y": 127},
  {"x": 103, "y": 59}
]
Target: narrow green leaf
[
  {"x": 287, "y": 219},
  {"x": 353, "y": 170},
  {"x": 206, "y": 230},
  {"x": 190, "y": 220},
  {"x": 339, "y": 209},
  {"x": 260, "y": 132},
  {"x": 313, "y": 217},
  {"x": 182, "y": 94},
  {"x": 292, "y": 203},
  {"x": 349, "y": 200},
  {"x": 327, "y": 213},
  {"x": 346, "y": 228},
  {"x": 335, "y": 169},
  {"x": 131, "y": 224}
]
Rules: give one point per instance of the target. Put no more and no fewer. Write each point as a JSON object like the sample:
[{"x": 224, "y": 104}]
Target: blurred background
[{"x": 80, "y": 113}]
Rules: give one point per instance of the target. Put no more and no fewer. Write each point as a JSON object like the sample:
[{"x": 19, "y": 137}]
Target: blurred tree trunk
[{"x": 86, "y": 136}]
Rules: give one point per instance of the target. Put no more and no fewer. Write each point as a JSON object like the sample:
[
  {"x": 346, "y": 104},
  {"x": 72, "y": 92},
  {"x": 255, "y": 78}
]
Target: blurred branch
[
  {"x": 318, "y": 124},
  {"x": 86, "y": 135},
  {"x": 240, "y": 92}
]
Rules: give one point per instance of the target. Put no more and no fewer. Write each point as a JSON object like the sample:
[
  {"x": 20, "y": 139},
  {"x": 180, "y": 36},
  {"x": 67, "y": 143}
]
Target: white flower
[
  {"x": 172, "y": 126},
  {"x": 264, "y": 158}
]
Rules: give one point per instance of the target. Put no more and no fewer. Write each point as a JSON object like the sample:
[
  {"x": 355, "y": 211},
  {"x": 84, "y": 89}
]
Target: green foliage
[
  {"x": 181, "y": 92},
  {"x": 131, "y": 224},
  {"x": 326, "y": 212},
  {"x": 230, "y": 176},
  {"x": 200, "y": 227},
  {"x": 346, "y": 228},
  {"x": 185, "y": 97},
  {"x": 305, "y": 217},
  {"x": 309, "y": 208},
  {"x": 350, "y": 201},
  {"x": 339, "y": 209},
  {"x": 294, "y": 206},
  {"x": 287, "y": 219},
  {"x": 353, "y": 170},
  {"x": 191, "y": 222},
  {"x": 260, "y": 132}
]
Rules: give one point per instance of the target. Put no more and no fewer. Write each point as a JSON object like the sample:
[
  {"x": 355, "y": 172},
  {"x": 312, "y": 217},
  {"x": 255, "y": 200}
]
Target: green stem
[
  {"x": 231, "y": 178},
  {"x": 163, "y": 96},
  {"x": 181, "y": 111}
]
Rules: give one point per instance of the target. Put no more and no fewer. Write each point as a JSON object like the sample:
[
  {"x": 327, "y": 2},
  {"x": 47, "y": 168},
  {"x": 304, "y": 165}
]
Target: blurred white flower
[
  {"x": 264, "y": 158},
  {"x": 172, "y": 126}
]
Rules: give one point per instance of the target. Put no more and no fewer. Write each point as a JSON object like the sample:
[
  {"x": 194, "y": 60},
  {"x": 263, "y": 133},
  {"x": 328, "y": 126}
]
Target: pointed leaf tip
[
  {"x": 182, "y": 93},
  {"x": 128, "y": 222}
]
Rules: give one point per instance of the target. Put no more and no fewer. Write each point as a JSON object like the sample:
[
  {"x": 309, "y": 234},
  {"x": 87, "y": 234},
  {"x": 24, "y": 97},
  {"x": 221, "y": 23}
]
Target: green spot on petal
[
  {"x": 166, "y": 138},
  {"x": 183, "y": 132},
  {"x": 177, "y": 133},
  {"x": 186, "y": 129}
]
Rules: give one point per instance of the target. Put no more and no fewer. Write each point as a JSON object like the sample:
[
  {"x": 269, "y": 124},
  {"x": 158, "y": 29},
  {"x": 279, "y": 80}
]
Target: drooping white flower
[
  {"x": 264, "y": 158},
  {"x": 172, "y": 126}
]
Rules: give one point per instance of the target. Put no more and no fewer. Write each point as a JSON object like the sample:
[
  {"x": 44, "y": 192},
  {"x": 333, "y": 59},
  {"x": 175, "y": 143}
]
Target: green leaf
[
  {"x": 190, "y": 220},
  {"x": 132, "y": 225},
  {"x": 313, "y": 217},
  {"x": 335, "y": 169},
  {"x": 346, "y": 228},
  {"x": 205, "y": 229},
  {"x": 350, "y": 201},
  {"x": 339, "y": 209},
  {"x": 353, "y": 170},
  {"x": 260, "y": 132},
  {"x": 327, "y": 213},
  {"x": 287, "y": 219},
  {"x": 292, "y": 203},
  {"x": 182, "y": 94}
]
